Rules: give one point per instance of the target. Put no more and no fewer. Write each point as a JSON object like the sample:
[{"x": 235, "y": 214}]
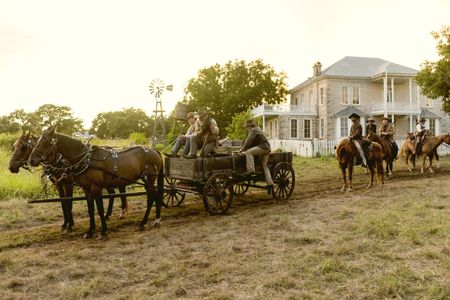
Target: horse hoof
[
  {"x": 88, "y": 235},
  {"x": 121, "y": 216},
  {"x": 141, "y": 227},
  {"x": 343, "y": 189},
  {"x": 102, "y": 237},
  {"x": 349, "y": 190},
  {"x": 68, "y": 230},
  {"x": 369, "y": 186}
]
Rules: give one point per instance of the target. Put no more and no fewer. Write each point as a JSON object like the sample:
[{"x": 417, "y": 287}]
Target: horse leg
[
  {"x": 438, "y": 163},
  {"x": 124, "y": 203},
  {"x": 380, "y": 175},
  {"x": 350, "y": 177},
  {"x": 68, "y": 186},
  {"x": 62, "y": 194},
  {"x": 90, "y": 204},
  {"x": 372, "y": 173},
  {"x": 144, "y": 221},
  {"x": 424, "y": 158},
  {"x": 344, "y": 176},
  {"x": 101, "y": 214},
  {"x": 110, "y": 203},
  {"x": 430, "y": 162}
]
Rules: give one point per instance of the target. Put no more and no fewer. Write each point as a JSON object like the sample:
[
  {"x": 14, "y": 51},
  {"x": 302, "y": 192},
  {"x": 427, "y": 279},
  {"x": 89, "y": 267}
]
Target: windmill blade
[{"x": 169, "y": 87}]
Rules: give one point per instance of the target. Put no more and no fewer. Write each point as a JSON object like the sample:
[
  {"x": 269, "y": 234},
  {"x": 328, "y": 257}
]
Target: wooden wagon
[{"x": 219, "y": 179}]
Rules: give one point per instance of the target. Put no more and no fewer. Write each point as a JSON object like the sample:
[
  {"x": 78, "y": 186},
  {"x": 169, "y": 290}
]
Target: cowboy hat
[
  {"x": 354, "y": 115},
  {"x": 370, "y": 120},
  {"x": 385, "y": 118},
  {"x": 249, "y": 123},
  {"x": 422, "y": 119}
]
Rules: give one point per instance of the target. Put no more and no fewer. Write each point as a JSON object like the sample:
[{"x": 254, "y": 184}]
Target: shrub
[{"x": 138, "y": 138}]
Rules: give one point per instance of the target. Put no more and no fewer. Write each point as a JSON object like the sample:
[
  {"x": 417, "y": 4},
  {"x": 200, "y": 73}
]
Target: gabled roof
[
  {"x": 346, "y": 112},
  {"x": 428, "y": 114},
  {"x": 360, "y": 67},
  {"x": 353, "y": 66}
]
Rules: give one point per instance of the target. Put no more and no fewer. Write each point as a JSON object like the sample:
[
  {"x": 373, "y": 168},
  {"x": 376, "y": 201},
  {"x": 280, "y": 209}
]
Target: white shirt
[{"x": 419, "y": 127}]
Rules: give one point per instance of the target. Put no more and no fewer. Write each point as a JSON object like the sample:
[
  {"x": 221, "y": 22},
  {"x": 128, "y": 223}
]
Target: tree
[
  {"x": 120, "y": 124},
  {"x": 236, "y": 130},
  {"x": 8, "y": 126},
  {"x": 235, "y": 87},
  {"x": 23, "y": 120},
  {"x": 434, "y": 77},
  {"x": 50, "y": 115}
]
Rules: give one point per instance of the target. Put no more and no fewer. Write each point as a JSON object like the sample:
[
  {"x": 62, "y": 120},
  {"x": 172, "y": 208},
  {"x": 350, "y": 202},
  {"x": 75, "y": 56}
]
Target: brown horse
[
  {"x": 62, "y": 181},
  {"x": 346, "y": 154},
  {"x": 96, "y": 168},
  {"x": 407, "y": 151},
  {"x": 429, "y": 149},
  {"x": 389, "y": 154}
]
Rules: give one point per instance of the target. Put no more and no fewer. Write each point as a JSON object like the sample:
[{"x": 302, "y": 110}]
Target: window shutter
[{"x": 437, "y": 128}]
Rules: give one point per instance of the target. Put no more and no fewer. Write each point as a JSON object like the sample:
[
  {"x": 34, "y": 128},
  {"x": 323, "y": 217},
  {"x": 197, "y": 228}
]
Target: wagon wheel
[
  {"x": 172, "y": 197},
  {"x": 284, "y": 181},
  {"x": 218, "y": 194},
  {"x": 240, "y": 188}
]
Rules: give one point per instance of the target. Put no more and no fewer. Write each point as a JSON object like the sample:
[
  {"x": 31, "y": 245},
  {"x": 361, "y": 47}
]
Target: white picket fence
[{"x": 315, "y": 147}]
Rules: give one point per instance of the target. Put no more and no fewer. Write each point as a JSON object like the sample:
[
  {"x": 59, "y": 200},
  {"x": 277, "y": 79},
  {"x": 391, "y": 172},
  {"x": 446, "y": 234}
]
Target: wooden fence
[{"x": 316, "y": 147}]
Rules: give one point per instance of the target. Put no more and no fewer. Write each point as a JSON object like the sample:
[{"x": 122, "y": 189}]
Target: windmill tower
[{"x": 156, "y": 88}]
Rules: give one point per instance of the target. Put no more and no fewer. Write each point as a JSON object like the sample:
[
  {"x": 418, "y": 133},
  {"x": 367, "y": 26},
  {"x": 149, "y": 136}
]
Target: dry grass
[{"x": 378, "y": 243}]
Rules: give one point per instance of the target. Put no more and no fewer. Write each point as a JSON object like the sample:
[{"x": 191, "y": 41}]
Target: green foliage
[
  {"x": 7, "y": 140},
  {"x": 434, "y": 78},
  {"x": 235, "y": 130},
  {"x": 120, "y": 124},
  {"x": 44, "y": 117},
  {"x": 138, "y": 138},
  {"x": 235, "y": 87}
]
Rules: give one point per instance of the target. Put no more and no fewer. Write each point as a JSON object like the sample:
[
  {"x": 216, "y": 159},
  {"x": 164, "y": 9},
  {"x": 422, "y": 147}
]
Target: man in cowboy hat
[
  {"x": 362, "y": 144},
  {"x": 205, "y": 135},
  {"x": 420, "y": 133},
  {"x": 371, "y": 127},
  {"x": 256, "y": 143},
  {"x": 387, "y": 132},
  {"x": 183, "y": 139}
]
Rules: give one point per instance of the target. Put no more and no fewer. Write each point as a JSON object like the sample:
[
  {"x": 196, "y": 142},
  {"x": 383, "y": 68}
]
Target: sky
[{"x": 101, "y": 55}]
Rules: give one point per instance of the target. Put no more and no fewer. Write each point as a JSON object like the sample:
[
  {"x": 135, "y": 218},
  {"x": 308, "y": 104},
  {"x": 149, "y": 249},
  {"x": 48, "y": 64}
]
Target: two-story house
[{"x": 319, "y": 107}]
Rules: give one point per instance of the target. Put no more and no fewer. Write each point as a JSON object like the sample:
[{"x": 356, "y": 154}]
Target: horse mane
[{"x": 69, "y": 141}]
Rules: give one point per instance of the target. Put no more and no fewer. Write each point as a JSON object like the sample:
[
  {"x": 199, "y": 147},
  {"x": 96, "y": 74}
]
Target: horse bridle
[
  {"x": 44, "y": 156},
  {"x": 23, "y": 163}
]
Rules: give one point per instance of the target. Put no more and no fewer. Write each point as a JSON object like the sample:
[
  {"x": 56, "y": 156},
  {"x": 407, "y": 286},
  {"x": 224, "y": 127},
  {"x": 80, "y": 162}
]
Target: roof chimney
[{"x": 317, "y": 68}]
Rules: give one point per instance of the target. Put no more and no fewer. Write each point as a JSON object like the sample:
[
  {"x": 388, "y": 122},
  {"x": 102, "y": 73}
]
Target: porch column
[
  {"x": 264, "y": 123},
  {"x": 410, "y": 93},
  {"x": 385, "y": 94},
  {"x": 410, "y": 123},
  {"x": 392, "y": 90},
  {"x": 418, "y": 101}
]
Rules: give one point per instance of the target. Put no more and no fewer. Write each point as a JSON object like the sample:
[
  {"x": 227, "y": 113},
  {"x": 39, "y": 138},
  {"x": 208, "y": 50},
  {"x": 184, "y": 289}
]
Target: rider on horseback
[
  {"x": 362, "y": 144},
  {"x": 387, "y": 132},
  {"x": 420, "y": 133},
  {"x": 371, "y": 126}
]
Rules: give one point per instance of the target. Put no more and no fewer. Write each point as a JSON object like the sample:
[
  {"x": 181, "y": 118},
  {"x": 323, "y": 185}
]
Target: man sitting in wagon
[
  {"x": 205, "y": 135},
  {"x": 184, "y": 139},
  {"x": 256, "y": 143}
]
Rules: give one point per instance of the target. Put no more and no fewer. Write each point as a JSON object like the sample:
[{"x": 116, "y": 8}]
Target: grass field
[{"x": 389, "y": 242}]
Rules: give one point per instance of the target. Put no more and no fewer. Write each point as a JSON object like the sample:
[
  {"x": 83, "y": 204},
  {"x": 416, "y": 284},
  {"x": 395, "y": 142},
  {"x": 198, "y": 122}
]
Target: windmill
[{"x": 156, "y": 88}]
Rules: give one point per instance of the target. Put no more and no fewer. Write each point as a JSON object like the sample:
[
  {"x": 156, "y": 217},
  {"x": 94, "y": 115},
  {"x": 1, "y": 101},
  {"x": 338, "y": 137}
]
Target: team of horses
[
  {"x": 68, "y": 161},
  {"x": 382, "y": 150}
]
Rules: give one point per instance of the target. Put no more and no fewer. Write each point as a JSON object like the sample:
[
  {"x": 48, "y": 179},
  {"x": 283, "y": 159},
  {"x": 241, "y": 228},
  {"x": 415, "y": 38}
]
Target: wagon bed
[{"x": 219, "y": 179}]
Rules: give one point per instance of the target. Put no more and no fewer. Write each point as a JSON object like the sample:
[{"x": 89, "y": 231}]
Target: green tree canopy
[
  {"x": 434, "y": 77},
  {"x": 120, "y": 124},
  {"x": 45, "y": 116},
  {"x": 236, "y": 130},
  {"x": 235, "y": 87}
]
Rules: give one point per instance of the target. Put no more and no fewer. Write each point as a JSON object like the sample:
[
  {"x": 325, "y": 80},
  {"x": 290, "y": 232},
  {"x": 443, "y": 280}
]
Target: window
[
  {"x": 322, "y": 128},
  {"x": 302, "y": 99},
  {"x": 307, "y": 129},
  {"x": 432, "y": 126},
  {"x": 294, "y": 128},
  {"x": 344, "y": 127},
  {"x": 270, "y": 129},
  {"x": 355, "y": 95},
  {"x": 310, "y": 97},
  {"x": 294, "y": 101},
  {"x": 389, "y": 95},
  {"x": 344, "y": 95},
  {"x": 321, "y": 96}
]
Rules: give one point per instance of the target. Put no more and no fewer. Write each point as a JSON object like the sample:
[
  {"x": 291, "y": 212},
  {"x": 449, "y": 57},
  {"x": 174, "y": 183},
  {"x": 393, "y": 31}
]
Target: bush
[
  {"x": 7, "y": 140},
  {"x": 138, "y": 138},
  {"x": 235, "y": 130}
]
